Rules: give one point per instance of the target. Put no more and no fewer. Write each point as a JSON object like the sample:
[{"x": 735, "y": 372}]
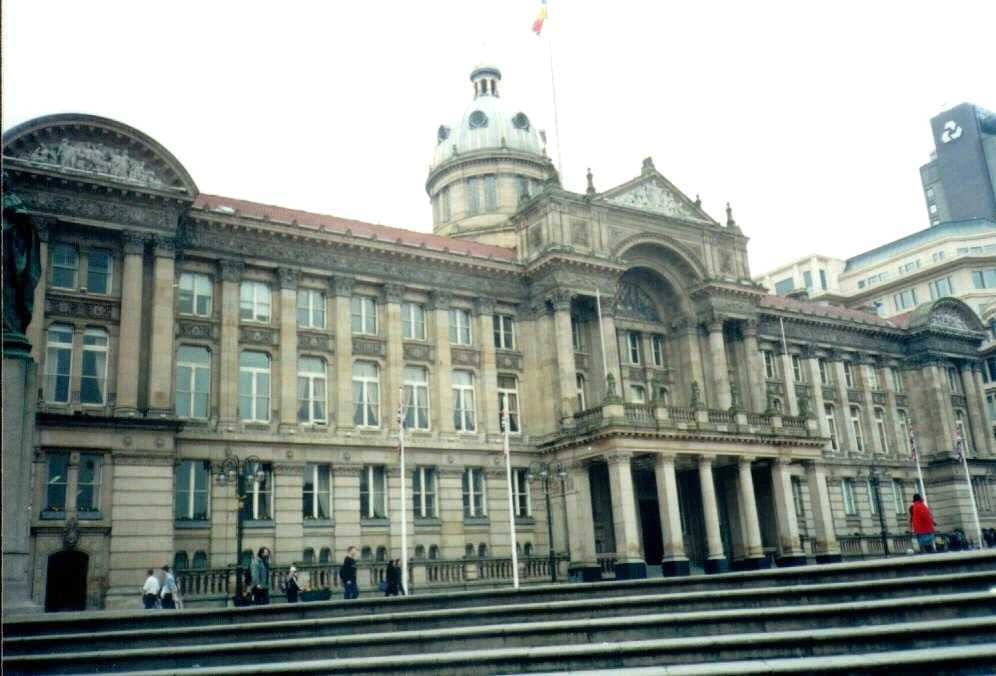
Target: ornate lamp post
[
  {"x": 233, "y": 470},
  {"x": 875, "y": 481},
  {"x": 543, "y": 470}
]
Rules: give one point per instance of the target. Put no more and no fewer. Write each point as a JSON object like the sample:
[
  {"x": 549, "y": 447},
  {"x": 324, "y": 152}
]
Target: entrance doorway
[
  {"x": 645, "y": 485},
  {"x": 65, "y": 581}
]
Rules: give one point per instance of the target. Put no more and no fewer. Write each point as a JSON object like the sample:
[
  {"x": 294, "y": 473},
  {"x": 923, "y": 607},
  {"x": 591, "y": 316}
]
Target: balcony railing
[{"x": 658, "y": 416}]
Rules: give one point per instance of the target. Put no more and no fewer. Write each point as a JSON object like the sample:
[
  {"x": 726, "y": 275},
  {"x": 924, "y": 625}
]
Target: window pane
[{"x": 99, "y": 272}]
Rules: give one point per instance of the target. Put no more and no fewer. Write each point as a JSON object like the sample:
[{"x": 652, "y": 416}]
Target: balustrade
[{"x": 640, "y": 414}]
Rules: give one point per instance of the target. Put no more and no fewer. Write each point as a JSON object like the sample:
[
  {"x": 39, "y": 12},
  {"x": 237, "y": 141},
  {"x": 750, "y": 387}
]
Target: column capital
[
  {"x": 288, "y": 278},
  {"x": 43, "y": 226},
  {"x": 560, "y": 299},
  {"x": 342, "y": 286},
  {"x": 164, "y": 247},
  {"x": 715, "y": 324},
  {"x": 664, "y": 459},
  {"x": 393, "y": 292},
  {"x": 440, "y": 300},
  {"x": 750, "y": 327},
  {"x": 807, "y": 351},
  {"x": 835, "y": 355},
  {"x": 133, "y": 242},
  {"x": 484, "y": 306},
  {"x": 231, "y": 270},
  {"x": 745, "y": 460},
  {"x": 619, "y": 458},
  {"x": 706, "y": 459}
]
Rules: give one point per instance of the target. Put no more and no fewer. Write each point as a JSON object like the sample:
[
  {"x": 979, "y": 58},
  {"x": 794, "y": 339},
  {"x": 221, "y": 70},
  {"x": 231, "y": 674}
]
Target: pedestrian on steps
[
  {"x": 293, "y": 587},
  {"x": 261, "y": 577},
  {"x": 922, "y": 524},
  {"x": 347, "y": 573},
  {"x": 169, "y": 590},
  {"x": 392, "y": 578},
  {"x": 150, "y": 590}
]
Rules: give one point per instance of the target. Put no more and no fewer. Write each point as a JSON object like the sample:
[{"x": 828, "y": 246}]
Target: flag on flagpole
[{"x": 540, "y": 18}]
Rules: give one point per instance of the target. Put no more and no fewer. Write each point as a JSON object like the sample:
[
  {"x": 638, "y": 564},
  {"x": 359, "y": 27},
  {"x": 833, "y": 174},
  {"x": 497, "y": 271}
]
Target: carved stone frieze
[
  {"x": 440, "y": 300},
  {"x": 879, "y": 398},
  {"x": 418, "y": 352},
  {"x": 465, "y": 357},
  {"x": 343, "y": 286},
  {"x": 508, "y": 360},
  {"x": 829, "y": 393},
  {"x": 901, "y": 400},
  {"x": 369, "y": 347},
  {"x": 231, "y": 271},
  {"x": 854, "y": 396},
  {"x": 164, "y": 246},
  {"x": 315, "y": 340},
  {"x": 393, "y": 293},
  {"x": 133, "y": 242},
  {"x": 196, "y": 329},
  {"x": 101, "y": 208},
  {"x": 89, "y": 308},
  {"x": 649, "y": 196},
  {"x": 288, "y": 278},
  {"x": 100, "y": 159},
  {"x": 258, "y": 335}
]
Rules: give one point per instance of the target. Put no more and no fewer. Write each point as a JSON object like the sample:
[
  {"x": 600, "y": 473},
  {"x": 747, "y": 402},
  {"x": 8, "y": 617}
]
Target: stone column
[
  {"x": 130, "y": 327},
  {"x": 566, "y": 371},
  {"x": 674, "y": 562},
  {"x": 395, "y": 361},
  {"x": 939, "y": 413},
  {"x": 691, "y": 356},
  {"x": 581, "y": 531},
  {"x": 346, "y": 507},
  {"x": 748, "y": 515},
  {"x": 720, "y": 370},
  {"x": 442, "y": 408},
  {"x": 288, "y": 349},
  {"x": 343, "y": 290},
  {"x": 716, "y": 561},
  {"x": 450, "y": 498},
  {"x": 872, "y": 442},
  {"x": 989, "y": 446},
  {"x": 976, "y": 409},
  {"x": 608, "y": 341},
  {"x": 228, "y": 358},
  {"x": 487, "y": 390},
  {"x": 825, "y": 548},
  {"x": 789, "y": 546},
  {"x": 35, "y": 331},
  {"x": 497, "y": 496},
  {"x": 818, "y": 404},
  {"x": 892, "y": 410},
  {"x": 755, "y": 368},
  {"x": 846, "y": 438},
  {"x": 288, "y": 518},
  {"x": 161, "y": 345},
  {"x": 788, "y": 377},
  {"x": 629, "y": 555}
]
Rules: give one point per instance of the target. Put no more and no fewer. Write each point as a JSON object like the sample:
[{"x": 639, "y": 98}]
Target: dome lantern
[{"x": 485, "y": 80}]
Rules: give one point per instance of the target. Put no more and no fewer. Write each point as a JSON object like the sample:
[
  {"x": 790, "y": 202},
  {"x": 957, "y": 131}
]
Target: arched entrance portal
[{"x": 65, "y": 582}]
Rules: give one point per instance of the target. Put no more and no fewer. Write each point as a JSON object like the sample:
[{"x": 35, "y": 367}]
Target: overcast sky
[{"x": 811, "y": 118}]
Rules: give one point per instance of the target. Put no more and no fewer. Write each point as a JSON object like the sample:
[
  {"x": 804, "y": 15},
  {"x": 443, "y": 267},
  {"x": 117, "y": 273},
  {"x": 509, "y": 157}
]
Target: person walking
[
  {"x": 922, "y": 524},
  {"x": 392, "y": 578},
  {"x": 347, "y": 573},
  {"x": 292, "y": 586},
  {"x": 169, "y": 590},
  {"x": 150, "y": 590},
  {"x": 261, "y": 577}
]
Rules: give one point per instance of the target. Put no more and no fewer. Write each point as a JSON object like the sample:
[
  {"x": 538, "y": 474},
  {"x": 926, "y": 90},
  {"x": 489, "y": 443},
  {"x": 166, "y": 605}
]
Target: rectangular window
[
  {"x": 424, "y": 493},
  {"x": 807, "y": 280},
  {"x": 823, "y": 279},
  {"x": 897, "y": 379},
  {"x": 93, "y": 377},
  {"x": 633, "y": 347},
  {"x": 316, "y": 496},
  {"x": 98, "y": 271},
  {"x": 784, "y": 286},
  {"x": 194, "y": 294},
  {"x": 831, "y": 426},
  {"x": 460, "y": 333},
  {"x": 65, "y": 266},
  {"x": 88, "y": 483},
  {"x": 824, "y": 372},
  {"x": 444, "y": 204},
  {"x": 363, "y": 310},
  {"x": 366, "y": 394},
  {"x": 254, "y": 386},
  {"x": 412, "y": 321},
  {"x": 415, "y": 383},
  {"x": 520, "y": 493},
  {"x": 657, "y": 346},
  {"x": 58, "y": 363},
  {"x": 908, "y": 267},
  {"x": 883, "y": 437},
  {"x": 474, "y": 501},
  {"x": 954, "y": 382},
  {"x": 311, "y": 390},
  {"x": 464, "y": 410},
  {"x": 770, "y": 370},
  {"x": 258, "y": 505},
  {"x": 859, "y": 439},
  {"x": 797, "y": 372},
  {"x": 898, "y": 498},
  {"x": 57, "y": 481},
  {"x": 847, "y": 492},
  {"x": 904, "y": 431},
  {"x": 848, "y": 374},
  {"x": 490, "y": 193},
  {"x": 193, "y": 382},
  {"x": 873, "y": 497},
  {"x": 254, "y": 301},
  {"x": 984, "y": 279},
  {"x": 800, "y": 504},
  {"x": 982, "y": 488},
  {"x": 905, "y": 299},
  {"x": 310, "y": 309},
  {"x": 577, "y": 334},
  {"x": 939, "y": 288},
  {"x": 504, "y": 332},
  {"x": 192, "y": 480},
  {"x": 473, "y": 195},
  {"x": 508, "y": 401},
  {"x": 373, "y": 492},
  {"x": 937, "y": 256}
]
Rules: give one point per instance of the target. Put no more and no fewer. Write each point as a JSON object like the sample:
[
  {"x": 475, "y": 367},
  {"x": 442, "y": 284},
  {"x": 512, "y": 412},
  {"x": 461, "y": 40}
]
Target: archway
[{"x": 65, "y": 581}]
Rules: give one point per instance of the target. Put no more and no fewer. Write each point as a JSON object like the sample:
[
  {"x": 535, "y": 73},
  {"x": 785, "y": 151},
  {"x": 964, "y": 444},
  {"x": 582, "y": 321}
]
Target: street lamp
[
  {"x": 543, "y": 470},
  {"x": 875, "y": 480},
  {"x": 233, "y": 470}
]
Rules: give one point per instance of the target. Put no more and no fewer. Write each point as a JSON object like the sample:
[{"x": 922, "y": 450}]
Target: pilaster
[
  {"x": 36, "y": 329},
  {"x": 755, "y": 367},
  {"x": 581, "y": 531},
  {"x": 488, "y": 389},
  {"x": 231, "y": 277},
  {"x": 395, "y": 362},
  {"x": 788, "y": 377},
  {"x": 343, "y": 289},
  {"x": 161, "y": 346},
  {"x": 288, "y": 348},
  {"x": 346, "y": 507},
  {"x": 567, "y": 387},
  {"x": 989, "y": 446},
  {"x": 720, "y": 370},
  {"x": 825, "y": 548},
  {"x": 442, "y": 412},
  {"x": 130, "y": 326},
  {"x": 872, "y": 442},
  {"x": 845, "y": 429},
  {"x": 450, "y": 496},
  {"x": 812, "y": 365},
  {"x": 748, "y": 512},
  {"x": 288, "y": 483},
  {"x": 495, "y": 486},
  {"x": 975, "y": 403},
  {"x": 789, "y": 547}
]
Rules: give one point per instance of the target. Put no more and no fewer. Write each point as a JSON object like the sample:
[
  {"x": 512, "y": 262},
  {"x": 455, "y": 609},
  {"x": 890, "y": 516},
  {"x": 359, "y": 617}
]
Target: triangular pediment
[{"x": 653, "y": 193}]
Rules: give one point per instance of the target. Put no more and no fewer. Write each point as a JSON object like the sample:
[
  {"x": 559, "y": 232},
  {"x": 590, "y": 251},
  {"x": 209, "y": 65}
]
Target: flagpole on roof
[
  {"x": 537, "y": 28},
  {"x": 960, "y": 445}
]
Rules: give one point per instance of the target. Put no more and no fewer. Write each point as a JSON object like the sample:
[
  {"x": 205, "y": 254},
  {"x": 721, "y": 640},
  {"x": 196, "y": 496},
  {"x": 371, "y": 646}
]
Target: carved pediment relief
[
  {"x": 649, "y": 196},
  {"x": 96, "y": 158}
]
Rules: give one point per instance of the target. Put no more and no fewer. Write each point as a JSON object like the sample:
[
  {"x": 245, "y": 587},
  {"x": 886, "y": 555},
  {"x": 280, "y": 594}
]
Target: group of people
[
  {"x": 391, "y": 586},
  {"x": 165, "y": 594}
]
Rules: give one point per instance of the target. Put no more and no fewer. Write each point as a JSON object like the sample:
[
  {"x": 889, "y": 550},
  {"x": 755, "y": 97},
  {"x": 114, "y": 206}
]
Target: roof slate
[{"x": 826, "y": 311}]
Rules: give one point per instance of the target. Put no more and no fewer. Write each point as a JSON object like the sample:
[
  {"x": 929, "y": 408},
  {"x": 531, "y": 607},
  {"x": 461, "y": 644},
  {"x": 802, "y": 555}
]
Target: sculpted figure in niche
[{"x": 21, "y": 270}]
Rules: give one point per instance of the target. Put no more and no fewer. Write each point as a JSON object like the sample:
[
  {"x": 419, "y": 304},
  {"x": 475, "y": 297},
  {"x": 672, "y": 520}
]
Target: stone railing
[
  {"x": 723, "y": 417},
  {"x": 855, "y": 546},
  {"x": 641, "y": 414},
  {"x": 758, "y": 420},
  {"x": 681, "y": 414},
  {"x": 589, "y": 418},
  {"x": 794, "y": 421}
]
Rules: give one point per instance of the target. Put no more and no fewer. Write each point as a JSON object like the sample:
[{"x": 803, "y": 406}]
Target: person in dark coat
[
  {"x": 392, "y": 578},
  {"x": 261, "y": 577},
  {"x": 347, "y": 573},
  {"x": 293, "y": 587}
]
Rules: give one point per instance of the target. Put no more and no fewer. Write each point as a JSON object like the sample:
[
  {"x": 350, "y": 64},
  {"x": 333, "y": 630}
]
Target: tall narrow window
[
  {"x": 898, "y": 497},
  {"x": 258, "y": 505},
  {"x": 254, "y": 386},
  {"x": 657, "y": 347},
  {"x": 637, "y": 394},
  {"x": 579, "y": 381},
  {"x": 58, "y": 363},
  {"x": 444, "y": 203},
  {"x": 194, "y": 294},
  {"x": 316, "y": 500},
  {"x": 824, "y": 372},
  {"x": 847, "y": 493},
  {"x": 508, "y": 399},
  {"x": 415, "y": 383},
  {"x": 88, "y": 484},
  {"x": 254, "y": 301},
  {"x": 366, "y": 394},
  {"x": 848, "y": 374},
  {"x": 460, "y": 333},
  {"x": 65, "y": 266},
  {"x": 577, "y": 334},
  {"x": 859, "y": 440},
  {"x": 954, "y": 382},
  {"x": 770, "y": 370},
  {"x": 56, "y": 482},
  {"x": 193, "y": 382},
  {"x": 904, "y": 431},
  {"x": 797, "y": 372},
  {"x": 873, "y": 497},
  {"x": 311, "y": 390},
  {"x": 633, "y": 346},
  {"x": 831, "y": 425},
  {"x": 522, "y": 188},
  {"x": 961, "y": 430},
  {"x": 424, "y": 493},
  {"x": 98, "y": 271},
  {"x": 412, "y": 321},
  {"x": 897, "y": 379},
  {"x": 474, "y": 502},
  {"x": 93, "y": 377},
  {"x": 504, "y": 333},
  {"x": 473, "y": 195},
  {"x": 363, "y": 310},
  {"x": 873, "y": 382},
  {"x": 464, "y": 411},
  {"x": 192, "y": 482},
  {"x": 800, "y": 504},
  {"x": 883, "y": 438},
  {"x": 373, "y": 492},
  {"x": 310, "y": 309},
  {"x": 520, "y": 493},
  {"x": 490, "y": 193}
]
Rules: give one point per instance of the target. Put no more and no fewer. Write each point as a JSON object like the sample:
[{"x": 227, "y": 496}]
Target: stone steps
[
  {"x": 682, "y": 602},
  {"x": 937, "y": 609}
]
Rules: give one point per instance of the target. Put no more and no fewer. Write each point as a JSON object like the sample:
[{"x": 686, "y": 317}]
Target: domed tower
[{"x": 485, "y": 164}]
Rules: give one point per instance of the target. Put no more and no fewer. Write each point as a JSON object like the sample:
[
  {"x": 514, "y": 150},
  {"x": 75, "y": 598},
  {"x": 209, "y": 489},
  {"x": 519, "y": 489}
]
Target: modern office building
[{"x": 814, "y": 274}]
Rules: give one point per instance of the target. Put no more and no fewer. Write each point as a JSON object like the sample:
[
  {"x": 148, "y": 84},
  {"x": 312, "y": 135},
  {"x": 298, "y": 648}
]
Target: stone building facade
[{"x": 698, "y": 421}]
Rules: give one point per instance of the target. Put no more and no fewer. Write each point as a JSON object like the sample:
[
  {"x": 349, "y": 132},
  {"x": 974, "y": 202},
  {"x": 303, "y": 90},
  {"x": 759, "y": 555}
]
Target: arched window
[
  {"x": 311, "y": 390},
  {"x": 200, "y": 560},
  {"x": 366, "y": 554},
  {"x": 464, "y": 411},
  {"x": 482, "y": 551},
  {"x": 193, "y": 381},
  {"x": 366, "y": 394},
  {"x": 904, "y": 431},
  {"x": 180, "y": 561},
  {"x": 415, "y": 383},
  {"x": 468, "y": 551},
  {"x": 883, "y": 438},
  {"x": 325, "y": 555},
  {"x": 433, "y": 552},
  {"x": 308, "y": 555},
  {"x": 382, "y": 553},
  {"x": 962, "y": 430},
  {"x": 528, "y": 549},
  {"x": 58, "y": 363},
  {"x": 254, "y": 386},
  {"x": 776, "y": 403},
  {"x": 419, "y": 552}
]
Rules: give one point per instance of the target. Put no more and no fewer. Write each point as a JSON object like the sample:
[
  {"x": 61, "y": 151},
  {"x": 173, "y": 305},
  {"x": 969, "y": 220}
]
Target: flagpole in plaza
[
  {"x": 404, "y": 518},
  {"x": 919, "y": 471},
  {"x": 960, "y": 443},
  {"x": 511, "y": 501}
]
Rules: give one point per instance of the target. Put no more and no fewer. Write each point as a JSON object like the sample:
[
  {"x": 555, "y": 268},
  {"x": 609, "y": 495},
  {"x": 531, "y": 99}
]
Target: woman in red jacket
[{"x": 922, "y": 523}]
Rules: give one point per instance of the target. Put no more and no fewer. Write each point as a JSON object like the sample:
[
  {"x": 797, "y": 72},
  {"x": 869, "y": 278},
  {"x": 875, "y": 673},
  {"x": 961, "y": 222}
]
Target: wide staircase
[{"x": 931, "y": 614}]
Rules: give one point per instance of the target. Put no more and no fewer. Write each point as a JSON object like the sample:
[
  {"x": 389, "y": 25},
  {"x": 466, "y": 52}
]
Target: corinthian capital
[{"x": 231, "y": 271}]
